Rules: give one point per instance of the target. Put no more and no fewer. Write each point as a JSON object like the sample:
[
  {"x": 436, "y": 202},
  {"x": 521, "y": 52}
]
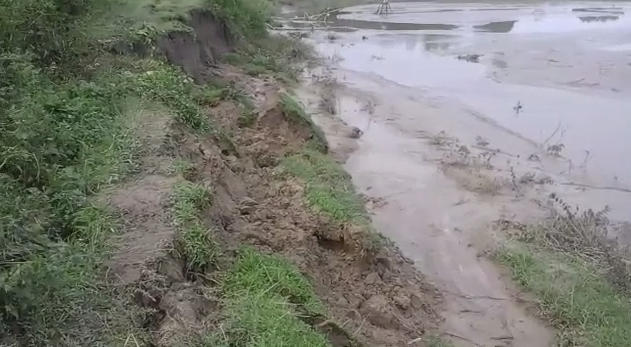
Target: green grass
[
  {"x": 61, "y": 143},
  {"x": 295, "y": 113},
  {"x": 329, "y": 190},
  {"x": 265, "y": 296},
  {"x": 66, "y": 136},
  {"x": 584, "y": 307},
  {"x": 272, "y": 55},
  {"x": 194, "y": 242}
]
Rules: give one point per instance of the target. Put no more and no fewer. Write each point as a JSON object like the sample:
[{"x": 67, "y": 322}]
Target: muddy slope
[
  {"x": 438, "y": 199},
  {"x": 378, "y": 300}
]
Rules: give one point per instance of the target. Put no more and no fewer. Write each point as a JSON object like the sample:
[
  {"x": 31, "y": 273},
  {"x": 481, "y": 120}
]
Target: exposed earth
[
  {"x": 473, "y": 113},
  {"x": 204, "y": 183}
]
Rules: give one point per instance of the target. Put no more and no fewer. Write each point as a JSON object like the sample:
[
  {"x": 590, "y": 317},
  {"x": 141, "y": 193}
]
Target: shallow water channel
[{"x": 522, "y": 78}]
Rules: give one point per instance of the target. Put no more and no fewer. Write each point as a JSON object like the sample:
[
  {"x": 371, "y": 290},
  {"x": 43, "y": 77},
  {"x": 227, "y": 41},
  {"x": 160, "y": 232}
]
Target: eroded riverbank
[{"x": 446, "y": 150}]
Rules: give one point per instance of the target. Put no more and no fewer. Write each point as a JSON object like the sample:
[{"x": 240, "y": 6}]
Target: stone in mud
[
  {"x": 378, "y": 311},
  {"x": 403, "y": 301},
  {"x": 371, "y": 278},
  {"x": 355, "y": 133},
  {"x": 471, "y": 58},
  {"x": 534, "y": 157},
  {"x": 247, "y": 205},
  {"x": 355, "y": 300},
  {"x": 342, "y": 302}
]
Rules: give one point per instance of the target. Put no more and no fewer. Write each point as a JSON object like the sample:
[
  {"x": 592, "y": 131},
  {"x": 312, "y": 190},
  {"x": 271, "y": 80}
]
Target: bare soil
[{"x": 379, "y": 300}]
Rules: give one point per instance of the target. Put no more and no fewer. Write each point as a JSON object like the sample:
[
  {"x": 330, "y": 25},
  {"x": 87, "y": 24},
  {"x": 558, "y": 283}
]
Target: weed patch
[
  {"x": 580, "y": 303},
  {"x": 61, "y": 143},
  {"x": 274, "y": 55},
  {"x": 579, "y": 277},
  {"x": 328, "y": 187}
]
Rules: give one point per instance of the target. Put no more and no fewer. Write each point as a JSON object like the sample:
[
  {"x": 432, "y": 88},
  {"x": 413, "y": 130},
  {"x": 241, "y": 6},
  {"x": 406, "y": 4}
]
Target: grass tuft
[
  {"x": 266, "y": 295},
  {"x": 582, "y": 305},
  {"x": 296, "y": 114},
  {"x": 329, "y": 190},
  {"x": 194, "y": 242},
  {"x": 261, "y": 274}
]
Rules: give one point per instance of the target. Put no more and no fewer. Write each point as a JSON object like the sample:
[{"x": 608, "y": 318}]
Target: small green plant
[
  {"x": 194, "y": 242},
  {"x": 434, "y": 341},
  {"x": 181, "y": 166},
  {"x": 190, "y": 198},
  {"x": 208, "y": 95},
  {"x": 197, "y": 246}
]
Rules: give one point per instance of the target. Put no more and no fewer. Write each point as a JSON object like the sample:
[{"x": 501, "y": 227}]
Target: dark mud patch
[
  {"x": 496, "y": 27},
  {"x": 611, "y": 10}
]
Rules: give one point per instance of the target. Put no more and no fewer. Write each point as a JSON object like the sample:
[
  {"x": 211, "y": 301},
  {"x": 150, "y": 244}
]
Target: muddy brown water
[{"x": 569, "y": 68}]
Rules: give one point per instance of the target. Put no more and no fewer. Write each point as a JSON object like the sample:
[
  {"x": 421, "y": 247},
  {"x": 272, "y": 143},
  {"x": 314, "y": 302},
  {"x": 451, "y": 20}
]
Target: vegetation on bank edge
[
  {"x": 295, "y": 113},
  {"x": 580, "y": 278},
  {"x": 263, "y": 296},
  {"x": 329, "y": 189},
  {"x": 194, "y": 243},
  {"x": 66, "y": 134}
]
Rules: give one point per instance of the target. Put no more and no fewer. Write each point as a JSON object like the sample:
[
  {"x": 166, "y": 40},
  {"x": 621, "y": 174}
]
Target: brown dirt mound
[{"x": 199, "y": 50}]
